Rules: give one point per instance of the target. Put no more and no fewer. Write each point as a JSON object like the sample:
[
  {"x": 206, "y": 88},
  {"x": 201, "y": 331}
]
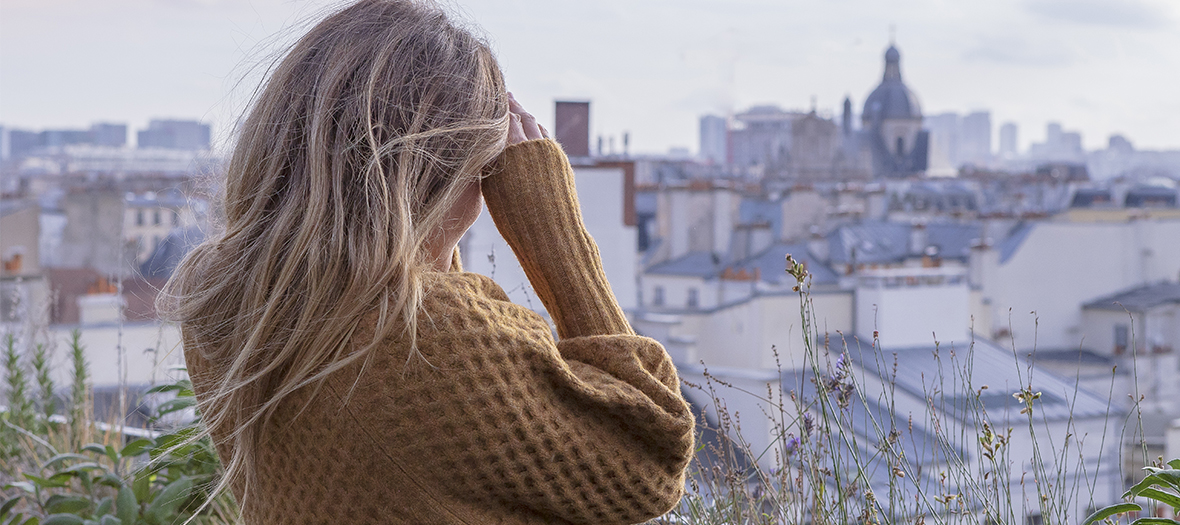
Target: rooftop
[{"x": 1138, "y": 299}]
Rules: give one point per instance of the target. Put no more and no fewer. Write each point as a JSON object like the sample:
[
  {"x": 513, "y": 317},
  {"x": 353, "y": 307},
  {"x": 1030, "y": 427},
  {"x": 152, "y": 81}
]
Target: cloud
[
  {"x": 1017, "y": 51},
  {"x": 1117, "y": 13}
]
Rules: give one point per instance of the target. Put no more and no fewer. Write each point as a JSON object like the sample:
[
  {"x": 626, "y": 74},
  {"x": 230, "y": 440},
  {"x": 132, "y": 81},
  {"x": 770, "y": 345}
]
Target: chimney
[
  {"x": 818, "y": 246},
  {"x": 100, "y": 308},
  {"x": 919, "y": 239},
  {"x": 572, "y": 127}
]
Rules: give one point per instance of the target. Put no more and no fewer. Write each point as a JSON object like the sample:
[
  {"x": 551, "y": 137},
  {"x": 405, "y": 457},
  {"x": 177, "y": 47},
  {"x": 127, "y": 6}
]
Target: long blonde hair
[{"x": 356, "y": 148}]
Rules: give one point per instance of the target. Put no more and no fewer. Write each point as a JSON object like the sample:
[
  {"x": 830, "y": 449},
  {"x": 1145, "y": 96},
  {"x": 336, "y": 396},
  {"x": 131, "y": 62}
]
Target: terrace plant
[{"x": 61, "y": 470}]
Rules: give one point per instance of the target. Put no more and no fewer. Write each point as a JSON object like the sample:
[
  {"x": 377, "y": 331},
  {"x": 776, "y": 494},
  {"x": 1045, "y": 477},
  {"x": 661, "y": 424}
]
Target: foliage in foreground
[
  {"x": 821, "y": 466},
  {"x": 59, "y": 467},
  {"x": 67, "y": 470}
]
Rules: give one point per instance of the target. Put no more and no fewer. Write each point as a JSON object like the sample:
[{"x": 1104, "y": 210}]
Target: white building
[{"x": 606, "y": 192}]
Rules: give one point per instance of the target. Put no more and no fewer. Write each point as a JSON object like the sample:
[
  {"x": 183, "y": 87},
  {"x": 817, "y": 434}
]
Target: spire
[
  {"x": 846, "y": 118},
  {"x": 892, "y": 64}
]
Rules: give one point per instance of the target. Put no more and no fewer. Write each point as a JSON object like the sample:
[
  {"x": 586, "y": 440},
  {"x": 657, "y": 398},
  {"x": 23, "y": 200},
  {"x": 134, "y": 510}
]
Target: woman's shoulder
[{"x": 464, "y": 301}]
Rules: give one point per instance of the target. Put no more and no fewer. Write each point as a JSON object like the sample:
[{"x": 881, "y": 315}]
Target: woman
[{"x": 348, "y": 370}]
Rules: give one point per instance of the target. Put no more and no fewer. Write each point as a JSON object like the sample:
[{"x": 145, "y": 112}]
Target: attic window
[{"x": 694, "y": 299}]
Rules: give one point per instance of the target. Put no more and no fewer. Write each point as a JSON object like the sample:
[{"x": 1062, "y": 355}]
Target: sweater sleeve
[
  {"x": 531, "y": 197},
  {"x": 586, "y": 430}
]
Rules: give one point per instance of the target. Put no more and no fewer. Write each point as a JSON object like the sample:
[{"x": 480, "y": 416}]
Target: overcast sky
[{"x": 651, "y": 67}]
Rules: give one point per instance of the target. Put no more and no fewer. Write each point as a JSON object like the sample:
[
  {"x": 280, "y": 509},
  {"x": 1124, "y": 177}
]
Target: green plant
[
  {"x": 151, "y": 478},
  {"x": 1161, "y": 486}
]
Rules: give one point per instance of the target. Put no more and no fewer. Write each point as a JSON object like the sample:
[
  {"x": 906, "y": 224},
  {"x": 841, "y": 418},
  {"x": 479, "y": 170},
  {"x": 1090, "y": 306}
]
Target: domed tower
[{"x": 893, "y": 119}]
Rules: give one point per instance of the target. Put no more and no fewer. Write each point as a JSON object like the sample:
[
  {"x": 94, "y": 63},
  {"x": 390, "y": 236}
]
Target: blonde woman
[{"x": 346, "y": 367}]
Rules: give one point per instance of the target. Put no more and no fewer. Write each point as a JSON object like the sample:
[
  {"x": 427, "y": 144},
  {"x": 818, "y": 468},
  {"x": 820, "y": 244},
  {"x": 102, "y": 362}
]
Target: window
[
  {"x": 657, "y": 296},
  {"x": 175, "y": 218},
  {"x": 1121, "y": 338},
  {"x": 1034, "y": 519},
  {"x": 694, "y": 299},
  {"x": 139, "y": 217},
  {"x": 900, "y": 146},
  {"x": 156, "y": 217}
]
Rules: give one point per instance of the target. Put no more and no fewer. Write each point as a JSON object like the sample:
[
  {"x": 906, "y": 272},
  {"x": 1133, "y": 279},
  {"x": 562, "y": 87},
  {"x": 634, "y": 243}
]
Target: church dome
[{"x": 892, "y": 99}]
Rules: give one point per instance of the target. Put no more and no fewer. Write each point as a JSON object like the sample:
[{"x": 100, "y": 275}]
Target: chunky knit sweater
[{"x": 505, "y": 425}]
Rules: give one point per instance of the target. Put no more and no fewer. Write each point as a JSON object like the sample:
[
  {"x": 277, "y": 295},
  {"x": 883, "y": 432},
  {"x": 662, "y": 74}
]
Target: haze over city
[{"x": 1100, "y": 67}]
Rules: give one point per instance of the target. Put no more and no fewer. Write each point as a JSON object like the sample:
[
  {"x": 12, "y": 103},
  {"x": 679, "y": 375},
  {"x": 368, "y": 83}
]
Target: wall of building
[
  {"x": 914, "y": 307},
  {"x": 1060, "y": 266},
  {"x": 152, "y": 350},
  {"x": 600, "y": 191}
]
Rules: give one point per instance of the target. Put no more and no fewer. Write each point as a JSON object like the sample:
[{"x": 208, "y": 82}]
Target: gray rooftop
[
  {"x": 1138, "y": 299},
  {"x": 921, "y": 368},
  {"x": 887, "y": 242},
  {"x": 693, "y": 264}
]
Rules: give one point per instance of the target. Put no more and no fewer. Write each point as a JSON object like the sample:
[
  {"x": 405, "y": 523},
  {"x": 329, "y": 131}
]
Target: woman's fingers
[
  {"x": 528, "y": 123},
  {"x": 515, "y": 130}
]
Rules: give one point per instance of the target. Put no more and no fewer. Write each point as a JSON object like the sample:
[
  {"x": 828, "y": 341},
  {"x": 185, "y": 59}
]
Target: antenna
[{"x": 892, "y": 34}]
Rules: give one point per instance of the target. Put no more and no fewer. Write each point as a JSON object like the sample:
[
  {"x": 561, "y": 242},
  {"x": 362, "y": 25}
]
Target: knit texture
[{"x": 500, "y": 423}]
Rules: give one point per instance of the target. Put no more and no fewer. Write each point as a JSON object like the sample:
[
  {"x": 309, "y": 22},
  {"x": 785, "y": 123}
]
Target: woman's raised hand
[{"x": 523, "y": 125}]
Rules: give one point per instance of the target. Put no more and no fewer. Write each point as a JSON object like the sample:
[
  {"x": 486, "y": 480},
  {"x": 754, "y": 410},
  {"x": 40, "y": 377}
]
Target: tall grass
[{"x": 845, "y": 450}]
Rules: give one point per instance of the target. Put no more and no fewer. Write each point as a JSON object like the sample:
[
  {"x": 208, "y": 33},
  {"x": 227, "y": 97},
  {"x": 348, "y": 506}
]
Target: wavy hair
[{"x": 356, "y": 147}]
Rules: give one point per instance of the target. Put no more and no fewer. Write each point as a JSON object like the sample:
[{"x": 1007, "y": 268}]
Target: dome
[{"x": 892, "y": 99}]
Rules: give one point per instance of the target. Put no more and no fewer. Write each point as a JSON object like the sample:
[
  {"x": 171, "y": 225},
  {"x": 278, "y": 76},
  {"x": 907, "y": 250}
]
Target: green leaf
[
  {"x": 95, "y": 448},
  {"x": 112, "y": 453},
  {"x": 8, "y": 505},
  {"x": 62, "y": 519},
  {"x": 110, "y": 479},
  {"x": 169, "y": 499},
  {"x": 32, "y": 521},
  {"x": 175, "y": 405},
  {"x": 1155, "y": 521},
  {"x": 84, "y": 467},
  {"x": 104, "y": 506},
  {"x": 23, "y": 485},
  {"x": 58, "y": 459},
  {"x": 62, "y": 504},
  {"x": 142, "y": 485},
  {"x": 126, "y": 507},
  {"x": 54, "y": 481},
  {"x": 1107, "y": 512},
  {"x": 110, "y": 520},
  {"x": 1175, "y": 463},
  {"x": 137, "y": 447},
  {"x": 1162, "y": 497}
]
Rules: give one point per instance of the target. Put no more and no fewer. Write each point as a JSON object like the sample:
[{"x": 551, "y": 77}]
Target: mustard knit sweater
[{"x": 509, "y": 426}]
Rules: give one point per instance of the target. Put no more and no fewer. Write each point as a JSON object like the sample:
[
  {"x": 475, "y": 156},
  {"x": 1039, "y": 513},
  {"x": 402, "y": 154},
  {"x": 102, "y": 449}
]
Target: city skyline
[{"x": 1096, "y": 66}]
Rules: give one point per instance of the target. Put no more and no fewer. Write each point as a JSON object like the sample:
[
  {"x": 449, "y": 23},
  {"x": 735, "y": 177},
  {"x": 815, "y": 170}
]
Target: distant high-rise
[
  {"x": 111, "y": 135},
  {"x": 975, "y": 140},
  {"x": 1008, "y": 137},
  {"x": 945, "y": 130},
  {"x": 1059, "y": 145},
  {"x": 572, "y": 127},
  {"x": 714, "y": 131},
  {"x": 175, "y": 134}
]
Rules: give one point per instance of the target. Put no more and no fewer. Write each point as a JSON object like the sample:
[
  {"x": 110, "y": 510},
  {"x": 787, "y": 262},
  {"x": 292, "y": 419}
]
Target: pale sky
[{"x": 650, "y": 67}]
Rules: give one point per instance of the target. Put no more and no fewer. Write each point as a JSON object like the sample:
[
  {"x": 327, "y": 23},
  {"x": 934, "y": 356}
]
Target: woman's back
[{"x": 344, "y": 374}]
